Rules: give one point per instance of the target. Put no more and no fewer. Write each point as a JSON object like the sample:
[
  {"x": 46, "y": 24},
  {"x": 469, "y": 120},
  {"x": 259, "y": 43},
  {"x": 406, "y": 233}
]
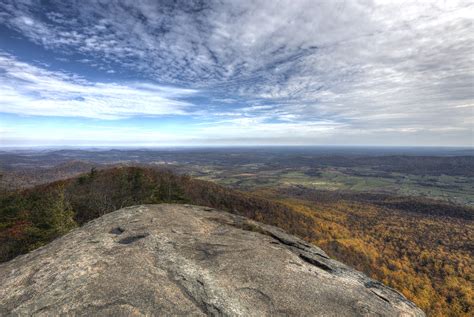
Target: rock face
[{"x": 187, "y": 260}]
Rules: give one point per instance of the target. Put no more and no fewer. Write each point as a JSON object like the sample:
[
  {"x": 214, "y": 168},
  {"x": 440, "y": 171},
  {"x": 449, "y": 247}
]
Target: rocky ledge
[{"x": 187, "y": 260}]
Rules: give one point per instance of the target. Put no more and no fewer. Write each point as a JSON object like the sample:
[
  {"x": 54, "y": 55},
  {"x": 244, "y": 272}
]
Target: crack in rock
[
  {"x": 316, "y": 263},
  {"x": 132, "y": 239}
]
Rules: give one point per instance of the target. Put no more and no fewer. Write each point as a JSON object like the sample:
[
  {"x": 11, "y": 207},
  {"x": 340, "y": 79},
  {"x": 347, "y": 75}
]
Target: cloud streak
[{"x": 31, "y": 90}]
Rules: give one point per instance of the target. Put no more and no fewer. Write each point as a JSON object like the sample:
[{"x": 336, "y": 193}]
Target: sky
[{"x": 211, "y": 73}]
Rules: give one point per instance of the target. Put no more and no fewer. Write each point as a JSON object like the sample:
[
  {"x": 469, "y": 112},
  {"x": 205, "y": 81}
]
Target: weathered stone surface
[{"x": 187, "y": 260}]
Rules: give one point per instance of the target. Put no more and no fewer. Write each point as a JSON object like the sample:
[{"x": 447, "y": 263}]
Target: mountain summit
[{"x": 172, "y": 259}]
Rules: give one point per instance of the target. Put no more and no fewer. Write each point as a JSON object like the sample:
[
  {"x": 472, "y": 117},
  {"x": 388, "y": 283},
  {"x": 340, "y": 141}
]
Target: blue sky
[{"x": 236, "y": 72}]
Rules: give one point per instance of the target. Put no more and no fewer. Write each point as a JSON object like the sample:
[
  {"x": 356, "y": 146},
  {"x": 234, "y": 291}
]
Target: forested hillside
[
  {"x": 422, "y": 248},
  {"x": 33, "y": 217}
]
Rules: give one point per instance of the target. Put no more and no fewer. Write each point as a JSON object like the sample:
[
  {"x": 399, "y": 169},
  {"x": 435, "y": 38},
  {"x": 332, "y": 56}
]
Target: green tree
[{"x": 52, "y": 216}]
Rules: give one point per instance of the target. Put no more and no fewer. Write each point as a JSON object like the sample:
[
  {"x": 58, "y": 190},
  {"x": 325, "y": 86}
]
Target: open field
[
  {"x": 457, "y": 189},
  {"x": 434, "y": 174}
]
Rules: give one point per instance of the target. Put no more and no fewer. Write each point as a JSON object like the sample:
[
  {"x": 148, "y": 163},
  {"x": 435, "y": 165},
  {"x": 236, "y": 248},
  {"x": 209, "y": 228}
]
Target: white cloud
[
  {"x": 368, "y": 67},
  {"x": 30, "y": 90}
]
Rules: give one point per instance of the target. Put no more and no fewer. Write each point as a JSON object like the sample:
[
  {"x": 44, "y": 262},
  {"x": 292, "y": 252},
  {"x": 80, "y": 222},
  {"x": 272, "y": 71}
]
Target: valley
[
  {"x": 406, "y": 220},
  {"x": 444, "y": 174}
]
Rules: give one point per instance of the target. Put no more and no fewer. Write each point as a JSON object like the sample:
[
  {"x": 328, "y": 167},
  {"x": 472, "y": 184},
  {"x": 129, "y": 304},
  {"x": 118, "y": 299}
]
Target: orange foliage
[{"x": 427, "y": 258}]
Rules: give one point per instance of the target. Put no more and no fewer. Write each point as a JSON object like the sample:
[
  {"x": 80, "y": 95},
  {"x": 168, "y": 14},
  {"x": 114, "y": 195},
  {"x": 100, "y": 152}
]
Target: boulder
[{"x": 188, "y": 260}]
